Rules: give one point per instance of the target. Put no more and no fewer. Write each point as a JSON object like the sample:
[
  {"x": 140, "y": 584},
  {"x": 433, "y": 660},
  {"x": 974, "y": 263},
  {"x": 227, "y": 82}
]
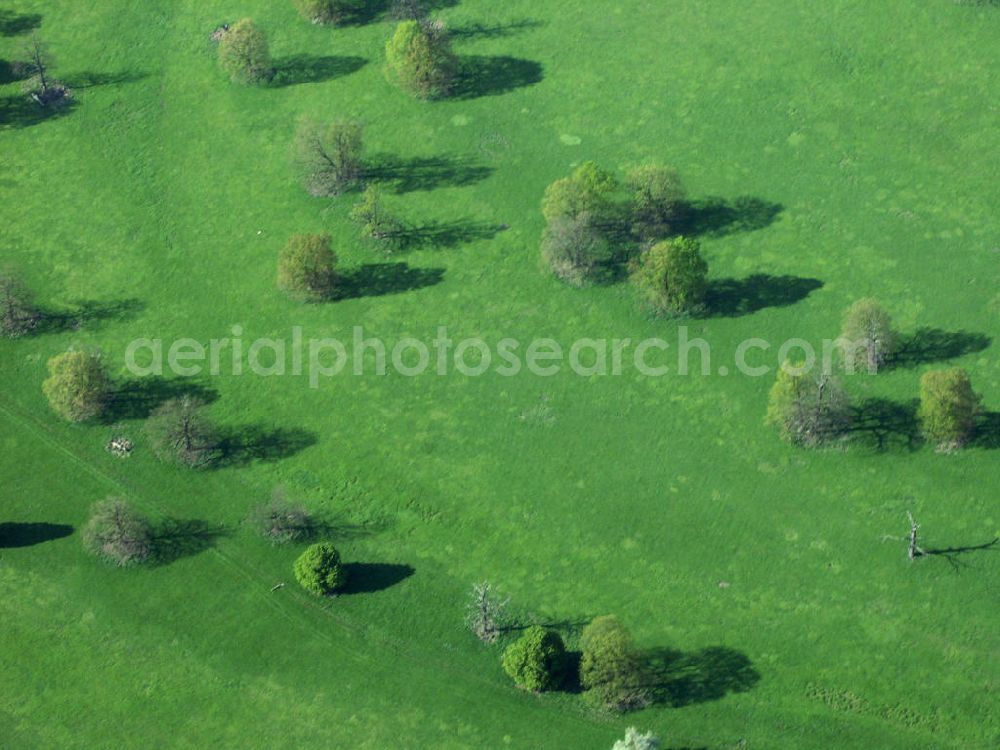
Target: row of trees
[{"x": 592, "y": 219}]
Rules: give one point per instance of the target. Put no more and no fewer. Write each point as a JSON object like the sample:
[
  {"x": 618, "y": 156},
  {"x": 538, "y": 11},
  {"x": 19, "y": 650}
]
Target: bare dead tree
[
  {"x": 37, "y": 65},
  {"x": 912, "y": 539},
  {"x": 486, "y": 612}
]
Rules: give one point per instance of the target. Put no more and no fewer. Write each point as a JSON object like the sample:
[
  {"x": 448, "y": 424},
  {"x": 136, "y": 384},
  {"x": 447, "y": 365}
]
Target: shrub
[
  {"x": 573, "y": 248},
  {"x": 244, "y": 55},
  {"x": 590, "y": 189},
  {"x": 536, "y": 659},
  {"x": 77, "y": 387},
  {"x": 867, "y": 329},
  {"x": 420, "y": 60},
  {"x": 330, "y": 156},
  {"x": 319, "y": 569},
  {"x": 635, "y": 741},
  {"x": 610, "y": 670},
  {"x": 948, "y": 408},
  {"x": 375, "y": 221},
  {"x": 118, "y": 533},
  {"x": 306, "y": 267},
  {"x": 18, "y": 314},
  {"x": 181, "y": 433},
  {"x": 807, "y": 410},
  {"x": 280, "y": 521},
  {"x": 658, "y": 200},
  {"x": 672, "y": 276},
  {"x": 326, "y": 11}
]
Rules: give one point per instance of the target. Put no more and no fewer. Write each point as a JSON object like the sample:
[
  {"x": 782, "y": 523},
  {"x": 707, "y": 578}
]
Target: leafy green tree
[
  {"x": 635, "y": 741},
  {"x": 77, "y": 387},
  {"x": 307, "y": 267},
  {"x": 375, "y": 220},
  {"x": 18, "y": 314},
  {"x": 535, "y": 660},
  {"x": 948, "y": 408},
  {"x": 806, "y": 409},
  {"x": 420, "y": 60},
  {"x": 573, "y": 248},
  {"x": 281, "y": 521},
  {"x": 319, "y": 570},
  {"x": 610, "y": 669},
  {"x": 867, "y": 329},
  {"x": 181, "y": 433},
  {"x": 672, "y": 276},
  {"x": 330, "y": 156},
  {"x": 658, "y": 200},
  {"x": 589, "y": 189},
  {"x": 330, "y": 12},
  {"x": 244, "y": 54},
  {"x": 117, "y": 533}
]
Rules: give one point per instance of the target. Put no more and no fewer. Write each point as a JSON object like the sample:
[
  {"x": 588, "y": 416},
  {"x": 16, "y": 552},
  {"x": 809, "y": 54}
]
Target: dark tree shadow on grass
[
  {"x": 381, "y": 279},
  {"x": 447, "y": 234},
  {"x": 19, "y": 111},
  {"x": 256, "y": 443},
  {"x": 471, "y": 31},
  {"x": 884, "y": 424},
  {"x": 30, "y": 534},
  {"x": 370, "y": 11},
  {"x": 291, "y": 71},
  {"x": 11, "y": 72},
  {"x": 928, "y": 345},
  {"x": 138, "y": 398},
  {"x": 87, "y": 312},
  {"x": 674, "y": 678},
  {"x": 481, "y": 75},
  {"x": 88, "y": 80},
  {"x": 367, "y": 578},
  {"x": 13, "y": 23},
  {"x": 730, "y": 298},
  {"x": 717, "y": 217},
  {"x": 987, "y": 431},
  {"x": 406, "y": 175},
  {"x": 175, "y": 538}
]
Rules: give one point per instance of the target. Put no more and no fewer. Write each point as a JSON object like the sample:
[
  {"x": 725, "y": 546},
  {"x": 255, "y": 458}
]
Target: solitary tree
[
  {"x": 307, "y": 267},
  {"x": 330, "y": 156},
  {"x": 589, "y": 189},
  {"x": 672, "y": 276},
  {"x": 280, "y": 521},
  {"x": 535, "y": 660},
  {"x": 18, "y": 314},
  {"x": 658, "y": 200},
  {"x": 610, "y": 670},
  {"x": 244, "y": 55},
  {"x": 420, "y": 60},
  {"x": 573, "y": 248},
  {"x": 326, "y": 11},
  {"x": 181, "y": 433},
  {"x": 807, "y": 409},
  {"x": 375, "y": 220},
  {"x": 948, "y": 408},
  {"x": 36, "y": 72},
  {"x": 77, "y": 387},
  {"x": 117, "y": 533},
  {"x": 319, "y": 570},
  {"x": 635, "y": 741},
  {"x": 486, "y": 613},
  {"x": 867, "y": 329}
]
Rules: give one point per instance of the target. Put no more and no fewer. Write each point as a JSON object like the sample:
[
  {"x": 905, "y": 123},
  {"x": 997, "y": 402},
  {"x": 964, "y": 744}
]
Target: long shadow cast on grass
[
  {"x": 674, "y": 678},
  {"x": 89, "y": 80},
  {"x": 407, "y": 175},
  {"x": 718, "y": 217},
  {"x": 730, "y": 298},
  {"x": 291, "y": 71},
  {"x": 471, "y": 31},
  {"x": 381, "y": 279},
  {"x": 447, "y": 234},
  {"x": 885, "y": 425},
  {"x": 87, "y": 313},
  {"x": 257, "y": 443},
  {"x": 367, "y": 578},
  {"x": 372, "y": 11},
  {"x": 175, "y": 538},
  {"x": 29, "y": 534},
  {"x": 13, "y": 23},
  {"x": 481, "y": 75},
  {"x": 18, "y": 111},
  {"x": 138, "y": 398},
  {"x": 928, "y": 345}
]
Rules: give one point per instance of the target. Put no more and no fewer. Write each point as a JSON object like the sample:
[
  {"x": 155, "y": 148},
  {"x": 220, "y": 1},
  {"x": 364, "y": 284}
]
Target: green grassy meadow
[{"x": 162, "y": 198}]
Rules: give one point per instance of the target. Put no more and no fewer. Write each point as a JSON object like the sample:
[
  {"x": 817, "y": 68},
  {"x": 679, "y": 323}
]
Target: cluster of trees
[
  {"x": 812, "y": 408},
  {"x": 592, "y": 219}
]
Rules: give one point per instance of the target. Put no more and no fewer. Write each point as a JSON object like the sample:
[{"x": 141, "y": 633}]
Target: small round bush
[
  {"x": 78, "y": 386},
  {"x": 306, "y": 267},
  {"x": 319, "y": 569},
  {"x": 244, "y": 55},
  {"x": 535, "y": 660}
]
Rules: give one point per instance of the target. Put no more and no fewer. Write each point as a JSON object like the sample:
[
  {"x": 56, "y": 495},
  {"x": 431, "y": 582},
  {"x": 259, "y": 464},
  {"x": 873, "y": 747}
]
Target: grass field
[{"x": 160, "y": 202}]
